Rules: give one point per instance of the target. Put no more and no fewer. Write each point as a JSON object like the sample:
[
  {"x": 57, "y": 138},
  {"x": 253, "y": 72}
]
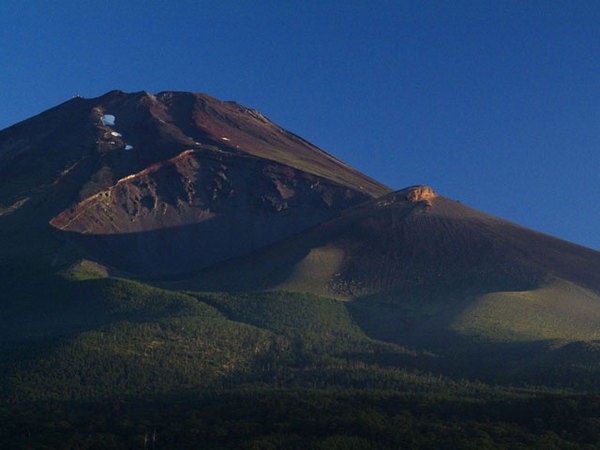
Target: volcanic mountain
[
  {"x": 176, "y": 269},
  {"x": 176, "y": 183},
  {"x": 169, "y": 183}
]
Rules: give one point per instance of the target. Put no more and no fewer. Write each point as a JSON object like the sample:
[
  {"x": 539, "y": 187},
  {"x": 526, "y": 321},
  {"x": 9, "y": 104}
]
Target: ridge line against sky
[{"x": 495, "y": 104}]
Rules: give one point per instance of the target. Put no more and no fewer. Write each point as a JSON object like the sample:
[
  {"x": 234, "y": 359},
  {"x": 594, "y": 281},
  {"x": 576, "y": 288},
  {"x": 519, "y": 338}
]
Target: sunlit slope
[
  {"x": 315, "y": 323},
  {"x": 556, "y": 310},
  {"x": 72, "y": 142},
  {"x": 161, "y": 184},
  {"x": 411, "y": 239},
  {"x": 83, "y": 335},
  {"x": 100, "y": 337},
  {"x": 413, "y": 263}
]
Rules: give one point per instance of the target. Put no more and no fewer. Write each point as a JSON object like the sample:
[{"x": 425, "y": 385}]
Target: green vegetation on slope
[
  {"x": 107, "y": 362},
  {"x": 302, "y": 316},
  {"x": 557, "y": 310}
]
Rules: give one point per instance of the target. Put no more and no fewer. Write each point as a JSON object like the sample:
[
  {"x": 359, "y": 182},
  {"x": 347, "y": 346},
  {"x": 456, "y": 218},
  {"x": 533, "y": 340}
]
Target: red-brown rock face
[
  {"x": 168, "y": 183},
  {"x": 199, "y": 208}
]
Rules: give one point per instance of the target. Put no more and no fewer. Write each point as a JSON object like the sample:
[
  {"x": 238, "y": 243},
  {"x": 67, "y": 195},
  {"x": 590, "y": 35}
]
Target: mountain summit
[{"x": 168, "y": 183}]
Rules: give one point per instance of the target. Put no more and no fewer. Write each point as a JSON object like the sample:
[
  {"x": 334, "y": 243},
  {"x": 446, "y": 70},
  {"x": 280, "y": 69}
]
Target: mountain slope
[
  {"x": 123, "y": 174},
  {"x": 237, "y": 128},
  {"x": 199, "y": 208},
  {"x": 393, "y": 320},
  {"x": 157, "y": 128},
  {"x": 415, "y": 263}
]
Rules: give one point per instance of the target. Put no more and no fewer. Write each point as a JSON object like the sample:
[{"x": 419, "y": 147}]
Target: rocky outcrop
[{"x": 419, "y": 193}]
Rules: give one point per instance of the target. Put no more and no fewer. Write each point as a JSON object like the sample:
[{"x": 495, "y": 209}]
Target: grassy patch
[{"x": 557, "y": 310}]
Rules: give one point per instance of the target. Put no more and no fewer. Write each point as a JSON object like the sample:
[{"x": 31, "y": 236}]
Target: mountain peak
[
  {"x": 128, "y": 170},
  {"x": 197, "y": 118}
]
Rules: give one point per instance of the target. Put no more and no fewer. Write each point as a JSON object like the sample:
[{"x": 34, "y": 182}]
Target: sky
[{"x": 492, "y": 103}]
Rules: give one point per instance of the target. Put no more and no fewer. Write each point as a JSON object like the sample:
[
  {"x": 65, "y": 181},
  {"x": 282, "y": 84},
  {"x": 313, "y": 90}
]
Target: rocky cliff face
[{"x": 199, "y": 208}]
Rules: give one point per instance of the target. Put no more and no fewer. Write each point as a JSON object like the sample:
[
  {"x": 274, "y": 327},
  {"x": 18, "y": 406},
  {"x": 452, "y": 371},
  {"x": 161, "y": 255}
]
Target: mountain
[
  {"x": 167, "y": 183},
  {"x": 176, "y": 269}
]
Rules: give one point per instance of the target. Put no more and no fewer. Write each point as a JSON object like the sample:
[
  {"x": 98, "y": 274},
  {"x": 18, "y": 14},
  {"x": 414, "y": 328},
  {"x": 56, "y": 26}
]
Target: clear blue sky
[{"x": 495, "y": 104}]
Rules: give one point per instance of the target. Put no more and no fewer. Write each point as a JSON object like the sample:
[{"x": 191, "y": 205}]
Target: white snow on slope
[{"x": 108, "y": 119}]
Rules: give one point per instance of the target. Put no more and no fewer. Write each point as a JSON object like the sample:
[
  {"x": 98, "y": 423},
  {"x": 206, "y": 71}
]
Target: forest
[{"x": 122, "y": 364}]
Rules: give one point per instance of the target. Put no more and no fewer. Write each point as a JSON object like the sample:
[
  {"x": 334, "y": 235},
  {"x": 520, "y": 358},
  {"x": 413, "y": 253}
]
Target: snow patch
[
  {"x": 108, "y": 119},
  {"x": 128, "y": 147},
  {"x": 225, "y": 138},
  {"x": 115, "y": 134}
]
